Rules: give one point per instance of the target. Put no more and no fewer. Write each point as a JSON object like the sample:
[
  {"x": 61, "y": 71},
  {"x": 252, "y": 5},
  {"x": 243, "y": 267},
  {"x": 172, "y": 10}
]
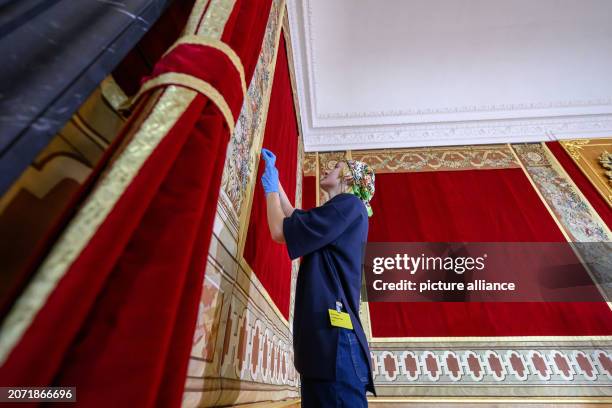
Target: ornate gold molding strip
[
  {"x": 586, "y": 154},
  {"x": 569, "y": 207},
  {"x": 438, "y": 158},
  {"x": 415, "y": 160},
  {"x": 309, "y": 164},
  {"x": 244, "y": 210},
  {"x": 245, "y": 142}
]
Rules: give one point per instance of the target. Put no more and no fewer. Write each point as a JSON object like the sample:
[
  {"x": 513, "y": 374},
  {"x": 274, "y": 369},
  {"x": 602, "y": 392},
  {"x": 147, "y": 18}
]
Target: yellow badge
[{"x": 340, "y": 319}]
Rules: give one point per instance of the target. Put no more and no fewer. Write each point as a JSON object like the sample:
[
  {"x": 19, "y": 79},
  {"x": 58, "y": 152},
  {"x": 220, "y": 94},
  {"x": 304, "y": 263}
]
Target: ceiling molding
[{"x": 572, "y": 116}]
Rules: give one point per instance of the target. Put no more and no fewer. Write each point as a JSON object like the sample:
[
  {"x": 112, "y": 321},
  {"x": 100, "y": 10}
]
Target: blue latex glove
[
  {"x": 269, "y": 179},
  {"x": 269, "y": 157}
]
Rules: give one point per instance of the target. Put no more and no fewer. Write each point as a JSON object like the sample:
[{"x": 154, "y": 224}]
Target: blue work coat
[{"x": 331, "y": 241}]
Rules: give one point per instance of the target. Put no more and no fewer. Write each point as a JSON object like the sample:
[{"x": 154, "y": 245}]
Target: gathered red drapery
[
  {"x": 213, "y": 66},
  {"x": 477, "y": 206},
  {"x": 119, "y": 324},
  {"x": 268, "y": 259}
]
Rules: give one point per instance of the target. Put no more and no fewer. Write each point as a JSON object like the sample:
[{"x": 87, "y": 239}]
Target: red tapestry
[
  {"x": 477, "y": 206},
  {"x": 268, "y": 259}
]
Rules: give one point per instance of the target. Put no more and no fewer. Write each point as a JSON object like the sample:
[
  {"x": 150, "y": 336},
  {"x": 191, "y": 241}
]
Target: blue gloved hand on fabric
[
  {"x": 269, "y": 157},
  {"x": 269, "y": 179}
]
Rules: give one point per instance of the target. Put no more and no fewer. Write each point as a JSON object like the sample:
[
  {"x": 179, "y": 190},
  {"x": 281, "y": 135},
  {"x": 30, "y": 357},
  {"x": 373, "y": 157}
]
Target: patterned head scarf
[{"x": 363, "y": 182}]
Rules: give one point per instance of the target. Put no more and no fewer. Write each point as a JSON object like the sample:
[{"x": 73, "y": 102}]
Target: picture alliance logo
[{"x": 413, "y": 264}]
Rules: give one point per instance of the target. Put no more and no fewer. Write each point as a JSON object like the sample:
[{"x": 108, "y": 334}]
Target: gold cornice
[
  {"x": 404, "y": 160},
  {"x": 452, "y": 158}
]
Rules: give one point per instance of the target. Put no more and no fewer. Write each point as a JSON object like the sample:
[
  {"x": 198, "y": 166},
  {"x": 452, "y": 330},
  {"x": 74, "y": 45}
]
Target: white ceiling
[{"x": 400, "y": 73}]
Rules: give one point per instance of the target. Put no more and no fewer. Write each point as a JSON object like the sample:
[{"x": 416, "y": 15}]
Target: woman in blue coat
[{"x": 330, "y": 346}]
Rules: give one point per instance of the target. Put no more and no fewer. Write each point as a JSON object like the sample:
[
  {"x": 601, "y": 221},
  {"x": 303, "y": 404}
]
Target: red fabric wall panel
[
  {"x": 477, "y": 206},
  {"x": 269, "y": 259},
  {"x": 309, "y": 192},
  {"x": 590, "y": 192}
]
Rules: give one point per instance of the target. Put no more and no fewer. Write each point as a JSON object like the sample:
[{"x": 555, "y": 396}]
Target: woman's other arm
[
  {"x": 284, "y": 201},
  {"x": 275, "y": 216}
]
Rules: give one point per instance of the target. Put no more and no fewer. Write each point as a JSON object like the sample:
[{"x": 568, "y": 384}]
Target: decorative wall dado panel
[
  {"x": 520, "y": 366},
  {"x": 242, "y": 350}
]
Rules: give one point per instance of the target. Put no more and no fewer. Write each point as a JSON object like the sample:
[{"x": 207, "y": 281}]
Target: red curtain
[
  {"x": 268, "y": 259},
  {"x": 590, "y": 192},
  {"x": 477, "y": 206},
  {"x": 119, "y": 325},
  {"x": 309, "y": 192},
  {"x": 136, "y": 64}
]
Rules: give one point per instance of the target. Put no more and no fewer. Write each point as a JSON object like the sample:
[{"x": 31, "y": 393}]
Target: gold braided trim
[
  {"x": 218, "y": 45},
  {"x": 167, "y": 111},
  {"x": 188, "y": 81},
  {"x": 197, "y": 14},
  {"x": 213, "y": 23}
]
